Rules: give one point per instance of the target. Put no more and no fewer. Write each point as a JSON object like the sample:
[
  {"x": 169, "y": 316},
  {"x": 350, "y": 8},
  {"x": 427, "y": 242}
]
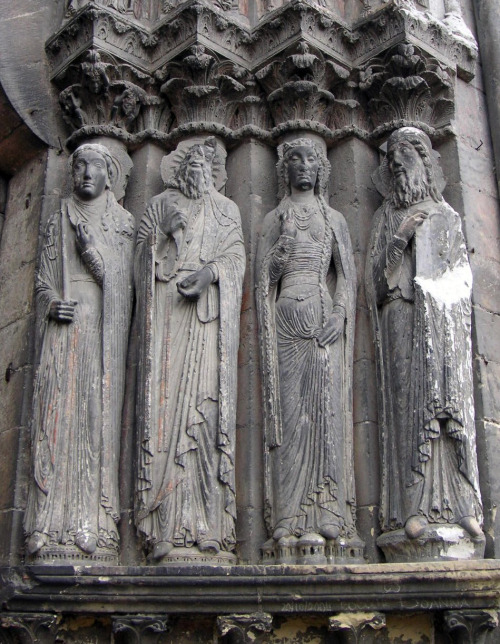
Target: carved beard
[
  {"x": 409, "y": 187},
  {"x": 194, "y": 182}
]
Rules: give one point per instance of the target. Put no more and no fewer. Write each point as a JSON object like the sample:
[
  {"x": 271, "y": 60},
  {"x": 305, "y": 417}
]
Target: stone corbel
[
  {"x": 140, "y": 629},
  {"x": 350, "y": 626},
  {"x": 30, "y": 628},
  {"x": 469, "y": 626},
  {"x": 244, "y": 629}
]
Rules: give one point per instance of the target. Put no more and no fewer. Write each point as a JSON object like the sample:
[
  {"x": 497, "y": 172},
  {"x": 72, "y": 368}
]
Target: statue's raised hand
[
  {"x": 84, "y": 237},
  {"x": 173, "y": 220},
  {"x": 194, "y": 285},
  {"x": 62, "y": 311},
  {"x": 288, "y": 227},
  {"x": 409, "y": 225}
]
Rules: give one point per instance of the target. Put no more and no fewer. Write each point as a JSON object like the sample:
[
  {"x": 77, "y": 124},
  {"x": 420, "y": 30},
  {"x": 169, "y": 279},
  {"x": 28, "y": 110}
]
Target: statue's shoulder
[
  {"x": 226, "y": 205},
  {"x": 336, "y": 219},
  {"x": 271, "y": 225},
  {"x": 168, "y": 194}
]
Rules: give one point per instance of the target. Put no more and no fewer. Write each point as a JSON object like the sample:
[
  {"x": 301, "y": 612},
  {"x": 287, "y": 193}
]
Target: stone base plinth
[
  {"x": 437, "y": 543},
  {"x": 192, "y": 556},
  {"x": 73, "y": 556},
  {"x": 313, "y": 549}
]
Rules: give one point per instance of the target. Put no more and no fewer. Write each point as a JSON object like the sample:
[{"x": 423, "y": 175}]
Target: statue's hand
[
  {"x": 331, "y": 331},
  {"x": 409, "y": 225},
  {"x": 194, "y": 285},
  {"x": 62, "y": 311},
  {"x": 84, "y": 237},
  {"x": 288, "y": 227},
  {"x": 173, "y": 220}
]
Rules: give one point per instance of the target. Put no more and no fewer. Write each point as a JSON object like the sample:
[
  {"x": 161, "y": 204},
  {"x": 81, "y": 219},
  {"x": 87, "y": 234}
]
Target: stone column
[
  {"x": 353, "y": 194},
  {"x": 252, "y": 185}
]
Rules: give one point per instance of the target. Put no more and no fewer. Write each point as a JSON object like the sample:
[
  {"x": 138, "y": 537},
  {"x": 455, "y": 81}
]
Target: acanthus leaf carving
[{"x": 404, "y": 84}]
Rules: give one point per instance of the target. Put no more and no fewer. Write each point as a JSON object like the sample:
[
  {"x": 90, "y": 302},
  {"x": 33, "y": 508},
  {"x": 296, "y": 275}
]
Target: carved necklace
[{"x": 303, "y": 216}]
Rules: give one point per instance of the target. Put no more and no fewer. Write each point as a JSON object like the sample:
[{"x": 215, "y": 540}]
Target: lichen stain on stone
[
  {"x": 300, "y": 631},
  {"x": 409, "y": 629}
]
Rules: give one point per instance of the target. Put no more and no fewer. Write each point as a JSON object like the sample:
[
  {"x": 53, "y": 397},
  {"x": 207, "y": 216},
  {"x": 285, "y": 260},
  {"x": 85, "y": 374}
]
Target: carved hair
[
  {"x": 99, "y": 149},
  {"x": 423, "y": 146},
  {"x": 285, "y": 149},
  {"x": 186, "y": 183}
]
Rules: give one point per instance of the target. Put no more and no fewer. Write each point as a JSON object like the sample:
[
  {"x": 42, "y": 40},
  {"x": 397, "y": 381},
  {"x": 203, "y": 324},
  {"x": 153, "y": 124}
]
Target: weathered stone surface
[
  {"x": 306, "y": 332},
  {"x": 366, "y": 463},
  {"x": 419, "y": 278}
]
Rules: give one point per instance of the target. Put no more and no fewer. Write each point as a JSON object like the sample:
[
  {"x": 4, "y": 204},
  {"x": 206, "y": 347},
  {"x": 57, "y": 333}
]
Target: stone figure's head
[
  {"x": 411, "y": 165},
  {"x": 194, "y": 175},
  {"x": 303, "y": 165},
  {"x": 91, "y": 169}
]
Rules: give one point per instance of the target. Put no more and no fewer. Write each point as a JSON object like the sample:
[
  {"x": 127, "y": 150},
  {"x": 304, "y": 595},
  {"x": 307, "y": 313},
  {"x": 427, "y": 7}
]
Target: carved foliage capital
[
  {"x": 244, "y": 629},
  {"x": 404, "y": 84},
  {"x": 470, "y": 626}
]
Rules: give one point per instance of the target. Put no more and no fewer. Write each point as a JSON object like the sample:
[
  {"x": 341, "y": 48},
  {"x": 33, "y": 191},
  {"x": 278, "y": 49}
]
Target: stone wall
[{"x": 49, "y": 110}]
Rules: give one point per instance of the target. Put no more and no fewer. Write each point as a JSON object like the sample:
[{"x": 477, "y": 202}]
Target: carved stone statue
[
  {"x": 420, "y": 283},
  {"x": 190, "y": 262},
  {"x": 84, "y": 292},
  {"x": 306, "y": 298}
]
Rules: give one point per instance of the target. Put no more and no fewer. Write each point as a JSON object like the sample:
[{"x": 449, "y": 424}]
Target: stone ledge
[{"x": 245, "y": 589}]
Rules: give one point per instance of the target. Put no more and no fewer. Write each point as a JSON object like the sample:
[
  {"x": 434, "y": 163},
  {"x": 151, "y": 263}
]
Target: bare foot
[
  {"x": 86, "y": 542},
  {"x": 162, "y": 549},
  {"x": 210, "y": 546},
  {"x": 473, "y": 528},
  {"x": 415, "y": 526},
  {"x": 329, "y": 531},
  {"x": 279, "y": 533},
  {"x": 35, "y": 543}
]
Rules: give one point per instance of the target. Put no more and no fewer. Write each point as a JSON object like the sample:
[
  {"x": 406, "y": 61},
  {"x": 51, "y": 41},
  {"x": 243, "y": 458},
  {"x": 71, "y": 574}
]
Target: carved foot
[
  {"x": 329, "y": 531},
  {"x": 161, "y": 549},
  {"x": 86, "y": 542},
  {"x": 35, "y": 543},
  {"x": 415, "y": 526},
  {"x": 279, "y": 533},
  {"x": 473, "y": 528},
  {"x": 210, "y": 546}
]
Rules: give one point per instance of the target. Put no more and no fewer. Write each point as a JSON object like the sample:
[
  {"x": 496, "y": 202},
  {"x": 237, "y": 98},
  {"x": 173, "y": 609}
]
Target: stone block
[
  {"x": 364, "y": 392},
  {"x": 367, "y": 463},
  {"x": 485, "y": 291},
  {"x": 486, "y": 334},
  {"x": 12, "y": 397},
  {"x": 11, "y": 536},
  {"x": 487, "y": 395},
  {"x": 482, "y": 224},
  {"x": 488, "y": 457},
  {"x": 17, "y": 294},
  {"x": 16, "y": 340},
  {"x": 9, "y": 441}
]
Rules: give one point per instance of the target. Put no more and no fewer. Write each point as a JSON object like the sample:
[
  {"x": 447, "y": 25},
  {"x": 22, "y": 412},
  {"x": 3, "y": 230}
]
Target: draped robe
[
  {"x": 187, "y": 372},
  {"x": 307, "y": 388},
  {"x": 79, "y": 383},
  {"x": 421, "y": 307}
]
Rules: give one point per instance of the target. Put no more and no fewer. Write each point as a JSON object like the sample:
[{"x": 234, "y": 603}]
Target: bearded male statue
[
  {"x": 84, "y": 291},
  {"x": 420, "y": 282},
  {"x": 190, "y": 262},
  {"x": 306, "y": 299}
]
